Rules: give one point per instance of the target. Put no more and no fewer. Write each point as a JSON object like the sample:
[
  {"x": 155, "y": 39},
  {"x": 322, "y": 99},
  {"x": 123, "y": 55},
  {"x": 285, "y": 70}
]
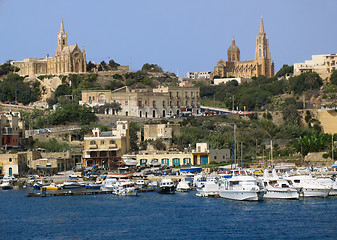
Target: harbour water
[{"x": 157, "y": 216}]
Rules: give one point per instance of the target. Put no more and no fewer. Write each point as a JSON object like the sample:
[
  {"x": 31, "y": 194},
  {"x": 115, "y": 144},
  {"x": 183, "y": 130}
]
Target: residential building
[
  {"x": 324, "y": 65},
  {"x": 106, "y": 148},
  {"x": 68, "y": 59},
  {"x": 199, "y": 75},
  {"x": 234, "y": 67},
  {"x": 219, "y": 155},
  {"x": 13, "y": 164},
  {"x": 12, "y": 129},
  {"x": 147, "y": 103}
]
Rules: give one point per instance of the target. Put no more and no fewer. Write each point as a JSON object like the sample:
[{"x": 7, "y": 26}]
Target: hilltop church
[
  {"x": 261, "y": 65},
  {"x": 68, "y": 59}
]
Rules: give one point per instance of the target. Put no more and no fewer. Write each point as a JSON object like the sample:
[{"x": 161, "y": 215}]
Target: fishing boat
[
  {"x": 6, "y": 184},
  {"x": 183, "y": 186},
  {"x": 51, "y": 187},
  {"x": 209, "y": 189},
  {"x": 108, "y": 184},
  {"x": 71, "y": 185},
  {"x": 166, "y": 186},
  {"x": 240, "y": 188},
  {"x": 125, "y": 188}
]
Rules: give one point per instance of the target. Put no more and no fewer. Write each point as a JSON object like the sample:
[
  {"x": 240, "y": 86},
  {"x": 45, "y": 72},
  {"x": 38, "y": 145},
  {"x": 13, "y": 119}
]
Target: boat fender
[{"x": 276, "y": 185}]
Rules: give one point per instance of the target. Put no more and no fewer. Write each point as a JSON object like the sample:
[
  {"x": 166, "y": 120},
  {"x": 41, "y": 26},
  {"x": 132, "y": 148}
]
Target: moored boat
[
  {"x": 71, "y": 185},
  {"x": 240, "y": 188},
  {"x": 209, "y": 189},
  {"x": 183, "y": 186},
  {"x": 166, "y": 186},
  {"x": 125, "y": 188}
]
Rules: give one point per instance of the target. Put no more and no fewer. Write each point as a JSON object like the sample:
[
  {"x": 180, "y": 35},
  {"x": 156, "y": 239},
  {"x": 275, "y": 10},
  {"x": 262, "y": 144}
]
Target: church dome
[
  {"x": 233, "y": 48},
  {"x": 233, "y": 52}
]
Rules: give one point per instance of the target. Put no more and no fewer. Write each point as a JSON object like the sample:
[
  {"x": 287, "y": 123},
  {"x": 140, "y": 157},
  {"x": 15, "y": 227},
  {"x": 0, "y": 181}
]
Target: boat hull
[
  {"x": 315, "y": 192},
  {"x": 282, "y": 194},
  {"x": 166, "y": 190},
  {"x": 242, "y": 195}
]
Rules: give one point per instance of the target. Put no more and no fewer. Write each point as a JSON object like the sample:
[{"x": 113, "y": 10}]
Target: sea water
[{"x": 157, "y": 216}]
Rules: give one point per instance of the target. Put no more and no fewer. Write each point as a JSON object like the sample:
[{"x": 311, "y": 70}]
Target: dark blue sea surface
[{"x": 155, "y": 216}]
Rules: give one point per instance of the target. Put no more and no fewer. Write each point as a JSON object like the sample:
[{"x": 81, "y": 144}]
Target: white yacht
[
  {"x": 141, "y": 184},
  {"x": 125, "y": 188},
  {"x": 209, "y": 189},
  {"x": 309, "y": 186},
  {"x": 108, "y": 184},
  {"x": 241, "y": 187},
  {"x": 183, "y": 186},
  {"x": 277, "y": 187}
]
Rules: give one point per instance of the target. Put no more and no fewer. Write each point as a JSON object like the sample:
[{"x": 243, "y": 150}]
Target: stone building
[
  {"x": 324, "y": 65},
  {"x": 106, "y": 148},
  {"x": 12, "y": 129},
  {"x": 68, "y": 59},
  {"x": 153, "y": 103},
  {"x": 234, "y": 67}
]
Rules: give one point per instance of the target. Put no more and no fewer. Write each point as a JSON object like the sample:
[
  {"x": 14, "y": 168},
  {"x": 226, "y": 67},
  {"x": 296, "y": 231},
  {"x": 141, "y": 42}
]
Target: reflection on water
[{"x": 155, "y": 216}]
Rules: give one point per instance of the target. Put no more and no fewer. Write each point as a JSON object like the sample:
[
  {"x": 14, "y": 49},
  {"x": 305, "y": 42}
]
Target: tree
[
  {"x": 90, "y": 66},
  {"x": 289, "y": 112},
  {"x": 285, "y": 70},
  {"x": 113, "y": 65},
  {"x": 333, "y": 77},
  {"x": 305, "y": 81},
  {"x": 63, "y": 89},
  {"x": 152, "y": 68}
]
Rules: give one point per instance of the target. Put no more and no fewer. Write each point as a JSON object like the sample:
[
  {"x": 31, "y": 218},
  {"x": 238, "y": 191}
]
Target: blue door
[{"x": 203, "y": 159}]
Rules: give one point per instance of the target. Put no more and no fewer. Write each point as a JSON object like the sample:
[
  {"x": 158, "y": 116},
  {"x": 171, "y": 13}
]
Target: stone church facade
[
  {"x": 68, "y": 59},
  {"x": 234, "y": 67}
]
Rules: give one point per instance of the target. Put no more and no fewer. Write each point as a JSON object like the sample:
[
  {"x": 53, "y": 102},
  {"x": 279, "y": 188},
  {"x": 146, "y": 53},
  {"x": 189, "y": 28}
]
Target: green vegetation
[
  {"x": 64, "y": 114},
  {"x": 7, "y": 68},
  {"x": 52, "y": 145},
  {"x": 152, "y": 68},
  {"x": 13, "y": 88}
]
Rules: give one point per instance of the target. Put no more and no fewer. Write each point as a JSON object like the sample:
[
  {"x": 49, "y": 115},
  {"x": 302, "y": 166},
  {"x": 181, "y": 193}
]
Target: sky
[{"x": 179, "y": 35}]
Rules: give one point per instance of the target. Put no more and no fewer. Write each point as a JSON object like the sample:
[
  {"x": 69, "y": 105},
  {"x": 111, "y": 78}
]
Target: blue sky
[{"x": 178, "y": 35}]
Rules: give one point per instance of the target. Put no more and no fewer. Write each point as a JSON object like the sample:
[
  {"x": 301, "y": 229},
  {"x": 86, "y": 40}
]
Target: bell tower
[
  {"x": 62, "y": 38},
  {"x": 262, "y": 53}
]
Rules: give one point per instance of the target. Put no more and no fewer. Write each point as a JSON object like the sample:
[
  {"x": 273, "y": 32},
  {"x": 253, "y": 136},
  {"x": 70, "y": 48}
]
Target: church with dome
[
  {"x": 68, "y": 59},
  {"x": 234, "y": 67}
]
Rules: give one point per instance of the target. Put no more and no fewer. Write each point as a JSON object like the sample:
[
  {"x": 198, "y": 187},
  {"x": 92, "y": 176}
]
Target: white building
[
  {"x": 324, "y": 65},
  {"x": 240, "y": 80},
  {"x": 199, "y": 75}
]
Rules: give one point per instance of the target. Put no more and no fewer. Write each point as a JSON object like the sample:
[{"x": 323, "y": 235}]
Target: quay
[{"x": 77, "y": 193}]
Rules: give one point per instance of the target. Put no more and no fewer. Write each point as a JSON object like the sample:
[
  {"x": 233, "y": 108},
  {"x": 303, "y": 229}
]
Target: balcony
[{"x": 93, "y": 146}]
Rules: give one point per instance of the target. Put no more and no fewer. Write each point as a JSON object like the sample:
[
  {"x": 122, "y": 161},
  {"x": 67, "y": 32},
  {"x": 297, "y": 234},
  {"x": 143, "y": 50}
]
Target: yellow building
[
  {"x": 13, "y": 163},
  {"x": 106, "y": 148},
  {"x": 234, "y": 67},
  {"x": 68, "y": 59},
  {"x": 12, "y": 129},
  {"x": 147, "y": 103}
]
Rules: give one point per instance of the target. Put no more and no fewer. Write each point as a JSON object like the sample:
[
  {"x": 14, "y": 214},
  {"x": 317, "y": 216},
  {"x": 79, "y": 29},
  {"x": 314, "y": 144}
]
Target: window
[
  {"x": 92, "y": 142},
  {"x": 176, "y": 161},
  {"x": 143, "y": 162},
  {"x": 170, "y": 94},
  {"x": 112, "y": 142},
  {"x": 187, "y": 161},
  {"x": 154, "y": 104},
  {"x": 165, "y": 161},
  {"x": 177, "y": 94},
  {"x": 177, "y": 103},
  {"x": 126, "y": 113},
  {"x": 102, "y": 142},
  {"x": 214, "y": 157},
  {"x": 89, "y": 99},
  {"x": 10, "y": 159},
  {"x": 126, "y": 103},
  {"x": 163, "y": 103},
  {"x": 93, "y": 98},
  {"x": 145, "y": 103}
]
